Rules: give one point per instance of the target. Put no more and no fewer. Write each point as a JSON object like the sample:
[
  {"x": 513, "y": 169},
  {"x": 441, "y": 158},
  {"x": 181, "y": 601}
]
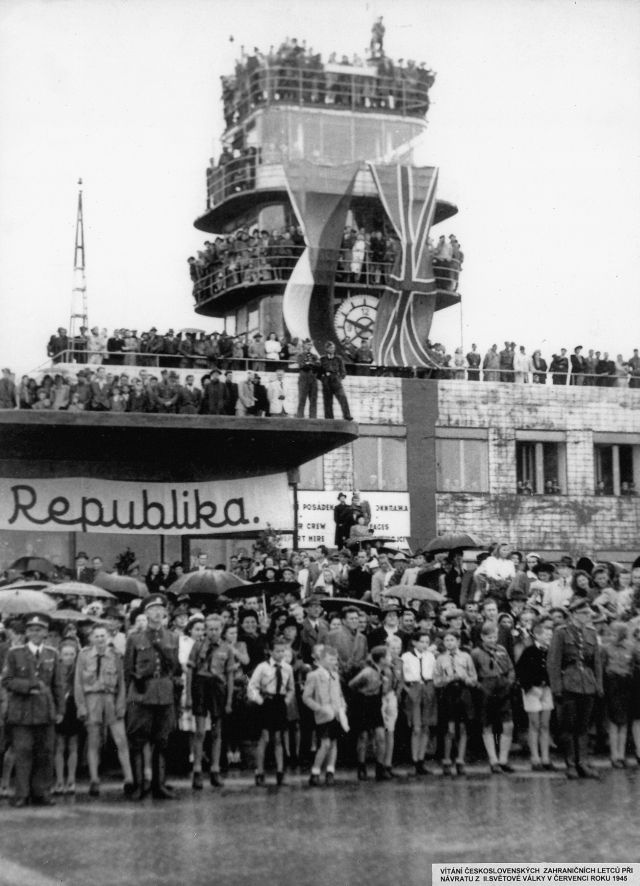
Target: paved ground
[{"x": 352, "y": 834}]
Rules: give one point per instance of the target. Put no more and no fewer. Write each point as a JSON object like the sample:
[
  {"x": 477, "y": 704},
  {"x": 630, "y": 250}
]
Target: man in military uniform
[
  {"x": 151, "y": 667},
  {"x": 574, "y": 665},
  {"x": 32, "y": 677},
  {"x": 332, "y": 372},
  {"x": 308, "y": 366}
]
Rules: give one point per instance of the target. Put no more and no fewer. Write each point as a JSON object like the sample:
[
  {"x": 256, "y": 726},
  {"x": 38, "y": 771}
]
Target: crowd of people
[
  {"x": 294, "y": 73},
  {"x": 366, "y": 258},
  {"x": 422, "y": 657}
]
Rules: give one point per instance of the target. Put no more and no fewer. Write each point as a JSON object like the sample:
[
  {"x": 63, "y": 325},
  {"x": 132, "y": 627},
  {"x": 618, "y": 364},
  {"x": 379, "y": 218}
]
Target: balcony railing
[
  {"x": 277, "y": 264},
  {"x": 340, "y": 87}
]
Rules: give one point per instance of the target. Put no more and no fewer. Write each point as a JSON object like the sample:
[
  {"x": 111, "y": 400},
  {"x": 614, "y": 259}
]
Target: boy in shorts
[
  {"x": 420, "y": 696},
  {"x": 368, "y": 688},
  {"x": 496, "y": 677},
  {"x": 536, "y": 693},
  {"x": 323, "y": 695},
  {"x": 100, "y": 695},
  {"x": 209, "y": 693},
  {"x": 272, "y": 688}
]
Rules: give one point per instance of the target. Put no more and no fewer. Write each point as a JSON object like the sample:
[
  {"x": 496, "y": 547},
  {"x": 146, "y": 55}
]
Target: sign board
[
  {"x": 80, "y": 504},
  {"x": 390, "y": 516}
]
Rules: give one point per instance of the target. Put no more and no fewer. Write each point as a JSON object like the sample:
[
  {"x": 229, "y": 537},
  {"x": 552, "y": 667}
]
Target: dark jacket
[
  {"x": 150, "y": 665},
  {"x": 36, "y": 689},
  {"x": 574, "y": 661},
  {"x": 531, "y": 667}
]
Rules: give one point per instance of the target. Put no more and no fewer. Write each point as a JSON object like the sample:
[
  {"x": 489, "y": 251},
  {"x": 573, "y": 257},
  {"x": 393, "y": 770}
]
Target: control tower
[{"x": 319, "y": 217}]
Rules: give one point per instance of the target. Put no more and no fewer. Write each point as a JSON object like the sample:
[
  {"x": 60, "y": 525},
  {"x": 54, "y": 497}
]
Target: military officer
[
  {"x": 332, "y": 371},
  {"x": 151, "y": 668},
  {"x": 32, "y": 676},
  {"x": 308, "y": 366},
  {"x": 574, "y": 665}
]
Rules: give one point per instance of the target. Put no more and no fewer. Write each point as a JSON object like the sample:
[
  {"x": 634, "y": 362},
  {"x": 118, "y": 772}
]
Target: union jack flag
[{"x": 405, "y": 312}]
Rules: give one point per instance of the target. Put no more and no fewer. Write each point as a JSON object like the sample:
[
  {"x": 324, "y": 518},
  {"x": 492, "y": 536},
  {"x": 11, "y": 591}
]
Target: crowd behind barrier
[
  {"x": 428, "y": 655},
  {"x": 294, "y": 74},
  {"x": 246, "y": 258}
]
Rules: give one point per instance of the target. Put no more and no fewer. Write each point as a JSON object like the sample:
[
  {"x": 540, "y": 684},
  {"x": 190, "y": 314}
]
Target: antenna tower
[{"x": 79, "y": 310}]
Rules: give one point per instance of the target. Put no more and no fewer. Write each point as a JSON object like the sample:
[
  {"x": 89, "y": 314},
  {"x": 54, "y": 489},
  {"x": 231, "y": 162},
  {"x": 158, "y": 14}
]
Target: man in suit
[
  {"x": 189, "y": 398},
  {"x": 314, "y": 628},
  {"x": 350, "y": 644},
  {"x": 100, "y": 391},
  {"x": 7, "y": 390},
  {"x": 32, "y": 676},
  {"x": 214, "y": 394},
  {"x": 58, "y": 344},
  {"x": 578, "y": 366},
  {"x": 230, "y": 393},
  {"x": 82, "y": 571}
]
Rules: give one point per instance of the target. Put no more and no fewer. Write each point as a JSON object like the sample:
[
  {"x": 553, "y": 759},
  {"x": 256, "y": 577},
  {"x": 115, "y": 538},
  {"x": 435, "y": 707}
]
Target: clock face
[{"x": 355, "y": 318}]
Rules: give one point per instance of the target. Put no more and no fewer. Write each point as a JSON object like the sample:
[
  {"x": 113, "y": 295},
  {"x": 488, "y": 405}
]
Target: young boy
[
  {"x": 323, "y": 695},
  {"x": 271, "y": 686},
  {"x": 536, "y": 693},
  {"x": 496, "y": 677},
  {"x": 420, "y": 695},
  {"x": 209, "y": 691},
  {"x": 368, "y": 688},
  {"x": 454, "y": 675}
]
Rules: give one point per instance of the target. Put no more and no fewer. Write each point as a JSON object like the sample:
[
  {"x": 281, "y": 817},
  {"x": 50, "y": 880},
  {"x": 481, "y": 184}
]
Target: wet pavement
[{"x": 343, "y": 836}]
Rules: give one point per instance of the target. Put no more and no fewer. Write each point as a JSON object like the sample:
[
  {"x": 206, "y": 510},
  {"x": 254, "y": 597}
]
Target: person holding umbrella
[{"x": 32, "y": 676}]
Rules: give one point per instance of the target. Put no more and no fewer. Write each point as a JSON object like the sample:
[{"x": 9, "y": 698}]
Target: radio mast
[{"x": 79, "y": 310}]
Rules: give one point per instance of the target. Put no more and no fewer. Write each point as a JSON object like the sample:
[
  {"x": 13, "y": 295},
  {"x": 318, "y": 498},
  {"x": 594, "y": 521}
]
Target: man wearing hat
[
  {"x": 574, "y": 664},
  {"x": 308, "y": 369},
  {"x": 342, "y": 519},
  {"x": 390, "y": 627},
  {"x": 399, "y": 563},
  {"x": 151, "y": 665},
  {"x": 32, "y": 677},
  {"x": 314, "y": 628}
]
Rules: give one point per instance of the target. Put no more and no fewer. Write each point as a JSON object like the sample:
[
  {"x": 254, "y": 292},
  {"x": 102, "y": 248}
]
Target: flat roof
[{"x": 154, "y": 447}]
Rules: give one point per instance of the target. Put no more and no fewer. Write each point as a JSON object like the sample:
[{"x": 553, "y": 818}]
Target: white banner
[
  {"x": 85, "y": 505},
  {"x": 390, "y": 516}
]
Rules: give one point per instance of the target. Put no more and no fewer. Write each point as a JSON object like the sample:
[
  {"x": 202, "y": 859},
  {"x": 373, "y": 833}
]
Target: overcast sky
[{"x": 535, "y": 125}]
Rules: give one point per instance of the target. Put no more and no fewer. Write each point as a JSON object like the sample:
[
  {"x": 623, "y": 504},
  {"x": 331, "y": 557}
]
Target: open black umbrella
[
  {"x": 335, "y": 604},
  {"x": 354, "y": 544},
  {"x": 125, "y": 587},
  {"x": 33, "y": 564},
  {"x": 209, "y": 583},
  {"x": 452, "y": 542}
]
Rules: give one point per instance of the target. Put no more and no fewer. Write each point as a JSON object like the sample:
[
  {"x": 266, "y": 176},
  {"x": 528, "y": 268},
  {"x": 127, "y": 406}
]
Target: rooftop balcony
[
  {"x": 233, "y": 282},
  {"x": 370, "y": 88}
]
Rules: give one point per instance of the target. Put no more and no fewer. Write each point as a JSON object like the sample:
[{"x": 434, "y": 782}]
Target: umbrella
[
  {"x": 80, "y": 589},
  {"x": 72, "y": 615},
  {"x": 29, "y": 584},
  {"x": 413, "y": 592},
  {"x": 121, "y": 585},
  {"x": 354, "y": 543},
  {"x": 33, "y": 564},
  {"x": 330, "y": 604},
  {"x": 190, "y": 329},
  {"x": 19, "y": 601},
  {"x": 452, "y": 542},
  {"x": 260, "y": 589},
  {"x": 208, "y": 582}
]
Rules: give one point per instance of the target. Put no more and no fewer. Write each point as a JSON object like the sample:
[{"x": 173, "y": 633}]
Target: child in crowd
[
  {"x": 454, "y": 676},
  {"x": 272, "y": 688},
  {"x": 496, "y": 677},
  {"x": 392, "y": 689},
  {"x": 420, "y": 696},
  {"x": 537, "y": 699},
  {"x": 617, "y": 663},
  {"x": 368, "y": 688},
  {"x": 67, "y": 731},
  {"x": 323, "y": 695}
]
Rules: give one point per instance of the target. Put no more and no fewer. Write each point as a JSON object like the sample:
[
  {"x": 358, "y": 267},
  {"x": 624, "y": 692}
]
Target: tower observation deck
[{"x": 319, "y": 217}]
